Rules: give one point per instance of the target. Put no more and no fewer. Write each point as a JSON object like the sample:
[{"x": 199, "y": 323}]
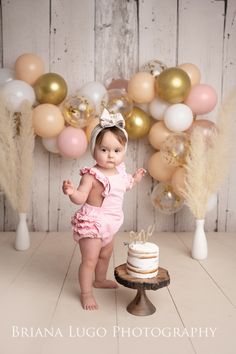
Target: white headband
[{"x": 108, "y": 120}]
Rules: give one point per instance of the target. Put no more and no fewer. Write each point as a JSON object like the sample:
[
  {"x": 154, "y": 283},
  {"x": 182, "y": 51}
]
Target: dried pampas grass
[
  {"x": 16, "y": 155},
  {"x": 208, "y": 162},
  {"x": 196, "y": 193},
  {"x": 222, "y": 145}
]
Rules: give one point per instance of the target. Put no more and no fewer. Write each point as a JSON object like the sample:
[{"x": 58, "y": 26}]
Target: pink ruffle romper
[{"x": 103, "y": 222}]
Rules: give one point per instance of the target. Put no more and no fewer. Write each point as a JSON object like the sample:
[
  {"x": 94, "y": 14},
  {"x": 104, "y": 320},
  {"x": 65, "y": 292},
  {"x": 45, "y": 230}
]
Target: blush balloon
[
  {"x": 72, "y": 142},
  {"x": 121, "y": 84},
  {"x": 201, "y": 99}
]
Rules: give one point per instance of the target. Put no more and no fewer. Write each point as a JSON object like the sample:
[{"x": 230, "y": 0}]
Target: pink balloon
[
  {"x": 118, "y": 84},
  {"x": 201, "y": 99},
  {"x": 72, "y": 142}
]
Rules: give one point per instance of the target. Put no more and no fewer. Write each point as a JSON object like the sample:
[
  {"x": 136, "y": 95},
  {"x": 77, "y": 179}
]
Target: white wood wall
[{"x": 84, "y": 40}]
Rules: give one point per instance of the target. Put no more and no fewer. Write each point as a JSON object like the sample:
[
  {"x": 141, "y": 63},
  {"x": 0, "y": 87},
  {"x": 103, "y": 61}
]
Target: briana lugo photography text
[{"x": 114, "y": 331}]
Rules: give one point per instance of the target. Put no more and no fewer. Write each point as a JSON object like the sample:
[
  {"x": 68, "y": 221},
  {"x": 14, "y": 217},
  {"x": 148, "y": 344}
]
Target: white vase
[
  {"x": 22, "y": 241},
  {"x": 199, "y": 246}
]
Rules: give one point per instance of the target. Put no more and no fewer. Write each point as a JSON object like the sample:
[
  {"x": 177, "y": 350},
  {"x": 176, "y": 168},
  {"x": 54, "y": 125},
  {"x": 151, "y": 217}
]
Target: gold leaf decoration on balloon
[
  {"x": 78, "y": 111},
  {"x": 175, "y": 149},
  {"x": 154, "y": 67},
  {"x": 165, "y": 199},
  {"x": 117, "y": 101}
]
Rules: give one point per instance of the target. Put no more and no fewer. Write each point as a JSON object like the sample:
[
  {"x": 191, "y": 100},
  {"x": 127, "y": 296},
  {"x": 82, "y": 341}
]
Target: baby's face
[{"x": 110, "y": 152}]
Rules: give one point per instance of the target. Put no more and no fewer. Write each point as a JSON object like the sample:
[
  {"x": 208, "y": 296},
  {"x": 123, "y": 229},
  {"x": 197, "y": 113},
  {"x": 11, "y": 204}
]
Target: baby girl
[{"x": 101, "y": 191}]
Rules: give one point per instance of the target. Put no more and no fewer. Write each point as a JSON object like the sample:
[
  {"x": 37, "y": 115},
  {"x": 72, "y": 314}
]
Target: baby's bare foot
[
  {"x": 88, "y": 302},
  {"x": 108, "y": 284}
]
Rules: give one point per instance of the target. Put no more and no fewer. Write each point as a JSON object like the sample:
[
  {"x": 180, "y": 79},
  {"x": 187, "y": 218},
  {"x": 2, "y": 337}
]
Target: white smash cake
[{"x": 143, "y": 259}]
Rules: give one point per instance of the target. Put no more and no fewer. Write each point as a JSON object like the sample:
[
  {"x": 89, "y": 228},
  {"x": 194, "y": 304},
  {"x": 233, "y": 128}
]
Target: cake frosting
[{"x": 143, "y": 259}]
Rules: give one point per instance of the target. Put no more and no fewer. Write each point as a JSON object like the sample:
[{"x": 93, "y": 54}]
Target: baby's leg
[
  {"x": 90, "y": 249},
  {"x": 102, "y": 266}
]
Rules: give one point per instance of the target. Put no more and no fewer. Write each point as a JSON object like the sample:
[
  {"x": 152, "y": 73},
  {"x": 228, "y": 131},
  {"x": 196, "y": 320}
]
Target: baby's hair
[{"x": 116, "y": 131}]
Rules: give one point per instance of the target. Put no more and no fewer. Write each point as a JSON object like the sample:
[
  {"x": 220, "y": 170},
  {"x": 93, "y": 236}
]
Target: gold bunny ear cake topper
[{"x": 141, "y": 236}]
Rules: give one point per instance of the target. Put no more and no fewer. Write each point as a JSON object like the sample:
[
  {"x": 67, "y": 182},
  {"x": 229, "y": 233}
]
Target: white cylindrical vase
[
  {"x": 199, "y": 246},
  {"x": 22, "y": 241}
]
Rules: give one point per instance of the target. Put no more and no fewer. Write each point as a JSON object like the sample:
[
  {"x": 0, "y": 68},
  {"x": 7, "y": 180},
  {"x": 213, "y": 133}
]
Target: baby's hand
[
  {"x": 68, "y": 187},
  {"x": 139, "y": 174}
]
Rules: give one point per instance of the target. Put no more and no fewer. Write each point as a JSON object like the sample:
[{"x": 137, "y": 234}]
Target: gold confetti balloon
[
  {"x": 117, "y": 101},
  {"x": 154, "y": 67},
  {"x": 137, "y": 124},
  {"x": 165, "y": 200},
  {"x": 173, "y": 85},
  {"x": 78, "y": 111},
  {"x": 175, "y": 149},
  {"x": 50, "y": 88}
]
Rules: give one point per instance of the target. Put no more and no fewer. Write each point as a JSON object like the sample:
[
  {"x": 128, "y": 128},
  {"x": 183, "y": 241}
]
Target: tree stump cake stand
[{"x": 141, "y": 305}]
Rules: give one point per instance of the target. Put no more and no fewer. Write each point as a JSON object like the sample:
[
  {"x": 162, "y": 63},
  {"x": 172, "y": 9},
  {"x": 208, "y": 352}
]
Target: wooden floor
[{"x": 40, "y": 310}]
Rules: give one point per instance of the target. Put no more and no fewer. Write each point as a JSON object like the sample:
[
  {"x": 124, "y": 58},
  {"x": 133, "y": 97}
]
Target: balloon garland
[{"x": 174, "y": 96}]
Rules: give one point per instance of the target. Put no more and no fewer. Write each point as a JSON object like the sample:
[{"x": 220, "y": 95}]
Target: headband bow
[{"x": 111, "y": 120}]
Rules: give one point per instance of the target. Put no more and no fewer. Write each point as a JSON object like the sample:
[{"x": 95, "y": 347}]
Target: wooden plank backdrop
[{"x": 88, "y": 40}]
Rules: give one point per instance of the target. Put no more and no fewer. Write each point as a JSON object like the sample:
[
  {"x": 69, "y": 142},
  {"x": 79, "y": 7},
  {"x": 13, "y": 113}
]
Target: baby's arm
[
  {"x": 79, "y": 195},
  {"x": 138, "y": 175}
]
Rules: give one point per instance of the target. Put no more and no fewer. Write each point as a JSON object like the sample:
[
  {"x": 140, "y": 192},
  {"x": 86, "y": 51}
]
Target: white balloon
[
  {"x": 212, "y": 202},
  {"x": 6, "y": 75},
  {"x": 157, "y": 107},
  {"x": 15, "y": 92},
  {"x": 50, "y": 144},
  {"x": 178, "y": 117},
  {"x": 94, "y": 91}
]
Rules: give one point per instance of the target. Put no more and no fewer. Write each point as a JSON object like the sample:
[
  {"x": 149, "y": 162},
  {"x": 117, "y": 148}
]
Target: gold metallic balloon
[
  {"x": 50, "y": 88},
  {"x": 175, "y": 149},
  {"x": 165, "y": 199},
  {"x": 173, "y": 85},
  {"x": 137, "y": 123},
  {"x": 117, "y": 100},
  {"x": 78, "y": 111},
  {"x": 154, "y": 67}
]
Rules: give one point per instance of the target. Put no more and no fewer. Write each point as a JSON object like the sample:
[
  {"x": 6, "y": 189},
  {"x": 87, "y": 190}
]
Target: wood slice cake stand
[{"x": 141, "y": 305}]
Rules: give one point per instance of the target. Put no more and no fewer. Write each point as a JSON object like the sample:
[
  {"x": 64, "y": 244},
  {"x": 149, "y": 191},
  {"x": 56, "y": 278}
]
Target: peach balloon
[
  {"x": 90, "y": 127},
  {"x": 201, "y": 99},
  {"x": 29, "y": 67},
  {"x": 158, "y": 169},
  {"x": 141, "y": 87},
  {"x": 192, "y": 71},
  {"x": 177, "y": 181},
  {"x": 158, "y": 134},
  {"x": 48, "y": 120}
]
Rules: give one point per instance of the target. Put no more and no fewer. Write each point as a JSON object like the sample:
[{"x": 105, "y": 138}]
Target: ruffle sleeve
[
  {"x": 98, "y": 176},
  {"x": 128, "y": 178}
]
